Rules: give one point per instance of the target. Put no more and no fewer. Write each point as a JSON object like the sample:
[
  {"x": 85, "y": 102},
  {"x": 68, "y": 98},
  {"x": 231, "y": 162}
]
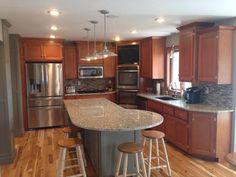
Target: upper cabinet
[
  {"x": 42, "y": 49},
  {"x": 110, "y": 65},
  {"x": 188, "y": 50},
  {"x": 82, "y": 49},
  {"x": 152, "y": 57},
  {"x": 70, "y": 62},
  {"x": 215, "y": 55}
]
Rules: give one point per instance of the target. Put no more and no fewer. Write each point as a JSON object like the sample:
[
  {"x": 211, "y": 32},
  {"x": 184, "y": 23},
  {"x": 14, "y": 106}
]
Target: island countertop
[{"x": 103, "y": 115}]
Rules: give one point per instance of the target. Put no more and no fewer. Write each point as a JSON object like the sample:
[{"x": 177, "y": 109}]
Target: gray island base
[{"x": 106, "y": 125}]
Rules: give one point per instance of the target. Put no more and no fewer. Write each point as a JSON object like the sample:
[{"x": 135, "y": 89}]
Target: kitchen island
[{"x": 106, "y": 126}]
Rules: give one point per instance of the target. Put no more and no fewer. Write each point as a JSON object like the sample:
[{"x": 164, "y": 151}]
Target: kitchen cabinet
[
  {"x": 152, "y": 57},
  {"x": 169, "y": 127},
  {"x": 42, "y": 49},
  {"x": 215, "y": 50},
  {"x": 109, "y": 65},
  {"x": 188, "y": 48},
  {"x": 109, "y": 95},
  {"x": 182, "y": 134},
  {"x": 70, "y": 62},
  {"x": 82, "y": 49}
]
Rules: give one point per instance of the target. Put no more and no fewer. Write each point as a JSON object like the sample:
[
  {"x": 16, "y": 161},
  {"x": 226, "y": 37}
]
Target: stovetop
[{"x": 92, "y": 91}]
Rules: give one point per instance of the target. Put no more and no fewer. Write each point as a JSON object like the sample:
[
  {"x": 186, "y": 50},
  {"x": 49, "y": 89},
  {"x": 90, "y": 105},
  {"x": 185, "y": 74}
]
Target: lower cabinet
[
  {"x": 203, "y": 134},
  {"x": 206, "y": 135}
]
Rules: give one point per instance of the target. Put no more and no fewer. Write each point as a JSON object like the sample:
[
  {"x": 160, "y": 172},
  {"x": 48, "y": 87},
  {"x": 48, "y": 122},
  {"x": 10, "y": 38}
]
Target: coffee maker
[{"x": 192, "y": 95}]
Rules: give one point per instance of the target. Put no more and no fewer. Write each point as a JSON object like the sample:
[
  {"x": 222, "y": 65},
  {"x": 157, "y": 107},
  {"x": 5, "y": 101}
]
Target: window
[{"x": 175, "y": 84}]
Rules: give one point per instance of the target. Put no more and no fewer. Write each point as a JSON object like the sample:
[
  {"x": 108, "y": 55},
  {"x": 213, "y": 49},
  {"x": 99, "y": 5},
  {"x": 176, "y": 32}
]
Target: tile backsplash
[
  {"x": 90, "y": 84},
  {"x": 219, "y": 95}
]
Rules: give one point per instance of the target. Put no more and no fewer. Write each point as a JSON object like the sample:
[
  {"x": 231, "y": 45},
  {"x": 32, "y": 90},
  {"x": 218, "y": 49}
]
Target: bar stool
[
  {"x": 65, "y": 144},
  {"x": 156, "y": 136},
  {"x": 77, "y": 130},
  {"x": 126, "y": 149}
]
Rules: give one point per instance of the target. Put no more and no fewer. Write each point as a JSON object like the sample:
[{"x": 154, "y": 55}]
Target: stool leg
[
  {"x": 144, "y": 141},
  {"x": 82, "y": 147},
  {"x": 61, "y": 162},
  {"x": 118, "y": 164},
  {"x": 149, "y": 158},
  {"x": 125, "y": 165},
  {"x": 143, "y": 165},
  {"x": 166, "y": 157},
  {"x": 157, "y": 152},
  {"x": 81, "y": 162},
  {"x": 137, "y": 164}
]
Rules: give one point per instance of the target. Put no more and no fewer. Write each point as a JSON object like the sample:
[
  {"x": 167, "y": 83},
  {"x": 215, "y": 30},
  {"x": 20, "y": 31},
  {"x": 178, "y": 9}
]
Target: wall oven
[
  {"x": 90, "y": 72},
  {"x": 128, "y": 77},
  {"x": 127, "y": 98}
]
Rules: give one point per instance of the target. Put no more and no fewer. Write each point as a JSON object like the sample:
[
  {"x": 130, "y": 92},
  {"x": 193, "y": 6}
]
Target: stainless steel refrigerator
[{"x": 44, "y": 94}]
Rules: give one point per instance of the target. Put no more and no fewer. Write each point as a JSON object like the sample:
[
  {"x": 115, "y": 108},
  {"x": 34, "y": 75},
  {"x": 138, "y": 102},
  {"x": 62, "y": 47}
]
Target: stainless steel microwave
[{"x": 90, "y": 71}]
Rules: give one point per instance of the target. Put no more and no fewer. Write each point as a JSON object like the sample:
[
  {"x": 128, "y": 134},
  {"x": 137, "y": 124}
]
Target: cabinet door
[
  {"x": 33, "y": 50},
  {"x": 181, "y": 128},
  {"x": 169, "y": 124},
  {"x": 203, "y": 134},
  {"x": 207, "y": 57},
  {"x": 146, "y": 58},
  {"x": 52, "y": 51},
  {"x": 70, "y": 62},
  {"x": 82, "y": 49},
  {"x": 110, "y": 65},
  {"x": 186, "y": 58}
]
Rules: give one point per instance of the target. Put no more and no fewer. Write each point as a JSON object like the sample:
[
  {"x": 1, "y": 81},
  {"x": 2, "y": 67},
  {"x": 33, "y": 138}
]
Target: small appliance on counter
[
  {"x": 70, "y": 89},
  {"x": 192, "y": 95}
]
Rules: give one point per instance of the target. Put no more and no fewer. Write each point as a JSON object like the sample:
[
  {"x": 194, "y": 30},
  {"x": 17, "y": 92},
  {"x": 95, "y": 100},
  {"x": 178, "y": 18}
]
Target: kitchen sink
[{"x": 166, "y": 98}]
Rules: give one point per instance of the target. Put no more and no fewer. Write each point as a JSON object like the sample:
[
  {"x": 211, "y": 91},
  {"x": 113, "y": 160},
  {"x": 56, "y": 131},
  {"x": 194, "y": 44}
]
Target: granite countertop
[
  {"x": 103, "y": 115},
  {"x": 75, "y": 94},
  {"x": 179, "y": 103}
]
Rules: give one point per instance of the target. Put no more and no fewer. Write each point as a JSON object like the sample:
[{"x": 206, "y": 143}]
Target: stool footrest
[
  {"x": 74, "y": 176},
  {"x": 71, "y": 166}
]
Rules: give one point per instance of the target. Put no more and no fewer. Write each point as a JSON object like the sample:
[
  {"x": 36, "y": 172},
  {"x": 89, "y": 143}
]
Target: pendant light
[
  {"x": 94, "y": 55},
  {"x": 105, "y": 53},
  {"x": 87, "y": 58}
]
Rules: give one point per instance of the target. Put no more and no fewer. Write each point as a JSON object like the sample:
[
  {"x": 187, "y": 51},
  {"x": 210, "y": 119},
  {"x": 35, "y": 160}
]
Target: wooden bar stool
[
  {"x": 126, "y": 149},
  {"x": 77, "y": 130},
  {"x": 156, "y": 136},
  {"x": 65, "y": 144}
]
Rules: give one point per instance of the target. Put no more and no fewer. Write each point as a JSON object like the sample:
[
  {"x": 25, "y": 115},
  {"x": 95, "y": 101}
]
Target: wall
[{"x": 173, "y": 39}]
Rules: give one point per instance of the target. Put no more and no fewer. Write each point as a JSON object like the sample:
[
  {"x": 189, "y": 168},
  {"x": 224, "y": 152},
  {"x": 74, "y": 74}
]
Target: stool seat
[
  {"x": 153, "y": 134},
  {"x": 130, "y": 148},
  {"x": 69, "y": 142},
  {"x": 71, "y": 129}
]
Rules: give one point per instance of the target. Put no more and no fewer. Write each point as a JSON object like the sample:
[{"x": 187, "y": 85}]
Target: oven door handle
[
  {"x": 121, "y": 90},
  {"x": 130, "y": 71}
]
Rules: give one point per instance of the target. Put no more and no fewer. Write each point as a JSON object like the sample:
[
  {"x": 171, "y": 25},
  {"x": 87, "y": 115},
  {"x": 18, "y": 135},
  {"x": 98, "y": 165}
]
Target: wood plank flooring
[{"x": 37, "y": 154}]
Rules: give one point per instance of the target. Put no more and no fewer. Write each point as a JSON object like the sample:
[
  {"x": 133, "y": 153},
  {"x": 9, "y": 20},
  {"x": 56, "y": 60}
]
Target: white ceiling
[{"x": 29, "y": 17}]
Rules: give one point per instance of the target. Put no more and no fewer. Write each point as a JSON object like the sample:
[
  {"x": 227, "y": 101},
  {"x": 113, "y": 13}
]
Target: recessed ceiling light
[
  {"x": 117, "y": 38},
  {"x": 160, "y": 19},
  {"x": 52, "y": 36},
  {"x": 133, "y": 31},
  {"x": 54, "y": 12},
  {"x": 134, "y": 43},
  {"x": 54, "y": 28}
]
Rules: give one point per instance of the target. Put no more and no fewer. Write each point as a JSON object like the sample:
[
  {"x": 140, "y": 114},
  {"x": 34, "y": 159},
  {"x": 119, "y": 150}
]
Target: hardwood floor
[{"x": 37, "y": 154}]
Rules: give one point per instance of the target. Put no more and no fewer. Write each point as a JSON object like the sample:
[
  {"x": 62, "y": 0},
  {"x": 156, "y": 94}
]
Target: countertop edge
[
  {"x": 213, "y": 110},
  {"x": 78, "y": 94}
]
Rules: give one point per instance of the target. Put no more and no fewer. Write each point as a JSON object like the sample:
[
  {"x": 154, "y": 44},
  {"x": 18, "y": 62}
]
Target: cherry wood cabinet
[
  {"x": 152, "y": 57},
  {"x": 109, "y": 65},
  {"x": 70, "y": 62},
  {"x": 215, "y": 55},
  {"x": 82, "y": 49},
  {"x": 109, "y": 96},
  {"x": 188, "y": 50},
  {"x": 170, "y": 131},
  {"x": 182, "y": 134},
  {"x": 42, "y": 49}
]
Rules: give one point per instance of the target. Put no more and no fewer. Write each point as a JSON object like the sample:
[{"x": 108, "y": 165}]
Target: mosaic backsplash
[
  {"x": 220, "y": 95},
  {"x": 90, "y": 84}
]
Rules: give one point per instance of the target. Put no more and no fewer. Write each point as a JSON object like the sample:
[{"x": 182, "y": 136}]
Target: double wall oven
[{"x": 127, "y": 85}]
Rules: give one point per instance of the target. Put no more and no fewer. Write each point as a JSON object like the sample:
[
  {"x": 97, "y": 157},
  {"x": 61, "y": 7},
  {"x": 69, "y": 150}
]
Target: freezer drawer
[
  {"x": 39, "y": 117},
  {"x": 47, "y": 101}
]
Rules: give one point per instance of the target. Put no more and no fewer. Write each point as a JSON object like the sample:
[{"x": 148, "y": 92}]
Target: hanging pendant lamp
[
  {"x": 94, "y": 55},
  {"x": 105, "y": 53},
  {"x": 88, "y": 57}
]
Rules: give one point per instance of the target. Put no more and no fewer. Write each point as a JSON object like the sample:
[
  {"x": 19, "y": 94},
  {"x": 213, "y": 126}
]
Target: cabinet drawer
[
  {"x": 181, "y": 114},
  {"x": 154, "y": 106},
  {"x": 168, "y": 110}
]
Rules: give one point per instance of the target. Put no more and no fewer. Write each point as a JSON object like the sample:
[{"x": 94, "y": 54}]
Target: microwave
[{"x": 90, "y": 72}]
